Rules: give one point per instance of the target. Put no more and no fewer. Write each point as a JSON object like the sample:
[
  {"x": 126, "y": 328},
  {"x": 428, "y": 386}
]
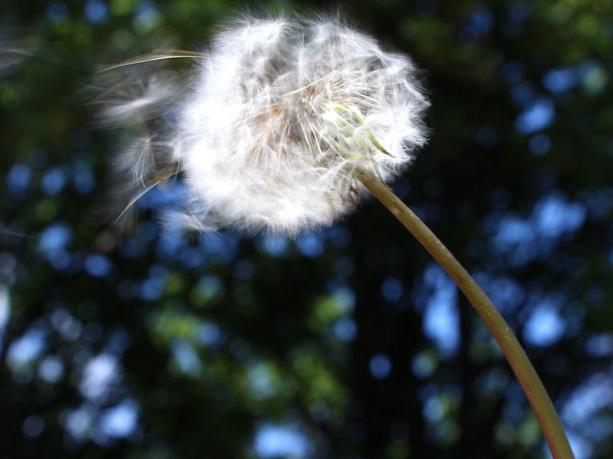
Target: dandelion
[
  {"x": 284, "y": 127},
  {"x": 280, "y": 118}
]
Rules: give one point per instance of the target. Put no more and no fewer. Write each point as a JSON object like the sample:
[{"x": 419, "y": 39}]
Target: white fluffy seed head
[{"x": 281, "y": 116}]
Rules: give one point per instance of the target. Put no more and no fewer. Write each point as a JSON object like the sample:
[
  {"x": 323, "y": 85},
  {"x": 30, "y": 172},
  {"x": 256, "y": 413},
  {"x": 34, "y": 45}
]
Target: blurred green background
[{"x": 345, "y": 343}]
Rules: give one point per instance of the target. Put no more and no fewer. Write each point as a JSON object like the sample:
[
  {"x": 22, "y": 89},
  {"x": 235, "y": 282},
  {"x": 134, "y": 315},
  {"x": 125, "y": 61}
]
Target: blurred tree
[{"x": 346, "y": 343}]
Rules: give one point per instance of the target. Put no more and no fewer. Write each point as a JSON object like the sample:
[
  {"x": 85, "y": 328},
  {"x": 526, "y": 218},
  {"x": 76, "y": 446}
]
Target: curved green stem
[{"x": 524, "y": 371}]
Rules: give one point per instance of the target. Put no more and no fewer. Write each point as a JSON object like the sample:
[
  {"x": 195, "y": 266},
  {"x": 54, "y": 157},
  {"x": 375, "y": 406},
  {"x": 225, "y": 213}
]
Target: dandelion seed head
[{"x": 280, "y": 117}]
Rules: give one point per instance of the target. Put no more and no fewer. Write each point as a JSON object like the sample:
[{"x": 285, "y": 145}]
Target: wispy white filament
[{"x": 277, "y": 120}]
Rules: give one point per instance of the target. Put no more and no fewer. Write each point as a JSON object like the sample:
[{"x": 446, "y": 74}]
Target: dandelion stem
[{"x": 510, "y": 346}]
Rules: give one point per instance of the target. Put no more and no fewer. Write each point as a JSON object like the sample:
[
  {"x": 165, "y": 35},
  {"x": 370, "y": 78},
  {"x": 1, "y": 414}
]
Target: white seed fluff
[{"x": 279, "y": 118}]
